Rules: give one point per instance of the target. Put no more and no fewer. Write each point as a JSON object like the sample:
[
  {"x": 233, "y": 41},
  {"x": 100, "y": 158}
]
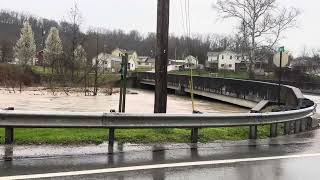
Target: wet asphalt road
[
  {"x": 134, "y": 155},
  {"x": 41, "y": 159}
]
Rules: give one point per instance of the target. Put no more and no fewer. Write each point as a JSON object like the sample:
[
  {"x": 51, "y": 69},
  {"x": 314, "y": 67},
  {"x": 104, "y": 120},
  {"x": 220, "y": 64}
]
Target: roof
[
  {"x": 107, "y": 57},
  {"x": 142, "y": 58},
  {"x": 216, "y": 53},
  {"x": 129, "y": 52},
  {"x": 151, "y": 60},
  {"x": 177, "y": 61}
]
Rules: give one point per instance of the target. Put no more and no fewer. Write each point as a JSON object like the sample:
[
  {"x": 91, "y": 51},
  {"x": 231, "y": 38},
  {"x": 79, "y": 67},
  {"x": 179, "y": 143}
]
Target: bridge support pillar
[
  {"x": 9, "y": 135},
  {"x": 111, "y": 140},
  {"x": 286, "y": 128},
  {"x": 274, "y": 130},
  {"x": 253, "y": 132},
  {"x": 194, "y": 135}
]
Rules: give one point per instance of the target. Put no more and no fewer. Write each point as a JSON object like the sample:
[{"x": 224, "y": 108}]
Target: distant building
[
  {"x": 121, "y": 52},
  {"x": 132, "y": 57},
  {"x": 145, "y": 62},
  {"x": 184, "y": 64},
  {"x": 108, "y": 63},
  {"x": 39, "y": 59},
  {"x": 226, "y": 60}
]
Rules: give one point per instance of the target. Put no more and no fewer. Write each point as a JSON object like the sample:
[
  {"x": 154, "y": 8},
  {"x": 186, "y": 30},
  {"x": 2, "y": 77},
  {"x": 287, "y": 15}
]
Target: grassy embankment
[{"x": 96, "y": 136}]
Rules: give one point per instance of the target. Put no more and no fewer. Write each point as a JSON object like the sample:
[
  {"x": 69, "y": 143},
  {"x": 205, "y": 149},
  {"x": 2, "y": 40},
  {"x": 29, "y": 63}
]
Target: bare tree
[
  {"x": 6, "y": 51},
  {"x": 76, "y": 20},
  {"x": 264, "y": 22}
]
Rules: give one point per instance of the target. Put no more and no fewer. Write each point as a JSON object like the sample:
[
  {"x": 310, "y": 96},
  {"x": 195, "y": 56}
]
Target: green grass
[
  {"x": 39, "y": 70},
  {"x": 97, "y": 136},
  {"x": 143, "y": 69}
]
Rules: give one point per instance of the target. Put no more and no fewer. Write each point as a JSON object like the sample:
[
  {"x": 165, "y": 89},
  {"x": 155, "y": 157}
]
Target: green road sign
[{"x": 281, "y": 49}]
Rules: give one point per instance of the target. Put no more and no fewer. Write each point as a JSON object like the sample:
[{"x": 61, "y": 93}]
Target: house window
[
  {"x": 230, "y": 57},
  {"x": 230, "y": 65},
  {"x": 222, "y": 65},
  {"x": 222, "y": 57}
]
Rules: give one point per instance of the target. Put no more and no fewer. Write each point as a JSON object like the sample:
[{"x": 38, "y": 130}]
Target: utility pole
[
  {"x": 160, "y": 103},
  {"x": 43, "y": 44},
  {"x": 95, "y": 88},
  {"x": 281, "y": 50}
]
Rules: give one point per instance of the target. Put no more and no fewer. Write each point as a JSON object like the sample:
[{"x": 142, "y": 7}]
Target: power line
[{"x": 182, "y": 16}]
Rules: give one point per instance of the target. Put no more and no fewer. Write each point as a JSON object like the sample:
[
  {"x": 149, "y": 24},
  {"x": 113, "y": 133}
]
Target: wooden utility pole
[
  {"x": 95, "y": 88},
  {"x": 160, "y": 103}
]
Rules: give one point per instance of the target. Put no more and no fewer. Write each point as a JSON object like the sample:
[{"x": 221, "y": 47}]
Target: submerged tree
[
  {"x": 263, "y": 22},
  {"x": 25, "y": 47},
  {"x": 53, "y": 50}
]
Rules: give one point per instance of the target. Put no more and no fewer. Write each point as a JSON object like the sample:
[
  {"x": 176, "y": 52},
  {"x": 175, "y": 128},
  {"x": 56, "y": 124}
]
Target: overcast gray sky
[{"x": 141, "y": 15}]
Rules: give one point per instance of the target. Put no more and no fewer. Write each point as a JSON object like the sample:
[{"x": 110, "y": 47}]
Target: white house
[
  {"x": 145, "y": 62},
  {"x": 187, "y": 63},
  {"x": 226, "y": 60},
  {"x": 108, "y": 62},
  {"x": 192, "y": 61},
  {"x": 132, "y": 64}
]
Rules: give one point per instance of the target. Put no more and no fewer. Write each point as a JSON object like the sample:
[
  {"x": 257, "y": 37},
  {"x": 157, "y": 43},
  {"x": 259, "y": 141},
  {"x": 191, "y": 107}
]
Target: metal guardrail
[{"x": 35, "y": 119}]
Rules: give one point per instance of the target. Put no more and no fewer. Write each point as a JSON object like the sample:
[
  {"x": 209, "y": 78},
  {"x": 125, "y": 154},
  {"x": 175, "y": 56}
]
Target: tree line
[{"x": 71, "y": 36}]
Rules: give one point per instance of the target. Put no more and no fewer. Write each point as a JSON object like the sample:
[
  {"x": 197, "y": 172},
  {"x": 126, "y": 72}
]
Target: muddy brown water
[{"x": 140, "y": 101}]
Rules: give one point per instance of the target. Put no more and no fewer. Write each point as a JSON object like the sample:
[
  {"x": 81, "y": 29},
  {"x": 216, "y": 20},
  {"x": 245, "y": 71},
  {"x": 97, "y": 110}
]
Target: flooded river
[{"x": 141, "y": 101}]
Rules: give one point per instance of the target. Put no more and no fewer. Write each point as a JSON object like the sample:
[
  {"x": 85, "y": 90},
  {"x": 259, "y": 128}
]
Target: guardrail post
[
  {"x": 297, "y": 126},
  {"x": 309, "y": 123},
  {"x": 303, "y": 125},
  {"x": 286, "y": 128},
  {"x": 9, "y": 131},
  {"x": 253, "y": 132},
  {"x": 194, "y": 135},
  {"x": 274, "y": 130},
  {"x": 9, "y": 135},
  {"x": 111, "y": 140}
]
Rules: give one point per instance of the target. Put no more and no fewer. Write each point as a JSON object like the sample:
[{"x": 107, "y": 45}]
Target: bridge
[{"x": 255, "y": 95}]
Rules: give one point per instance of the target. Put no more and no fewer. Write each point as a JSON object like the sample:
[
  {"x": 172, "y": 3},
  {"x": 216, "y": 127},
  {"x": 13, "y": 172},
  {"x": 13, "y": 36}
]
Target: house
[
  {"x": 226, "y": 60},
  {"x": 184, "y": 64},
  {"x": 145, "y": 62},
  {"x": 192, "y": 61},
  {"x": 108, "y": 63},
  {"x": 39, "y": 59},
  {"x": 121, "y": 52}
]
